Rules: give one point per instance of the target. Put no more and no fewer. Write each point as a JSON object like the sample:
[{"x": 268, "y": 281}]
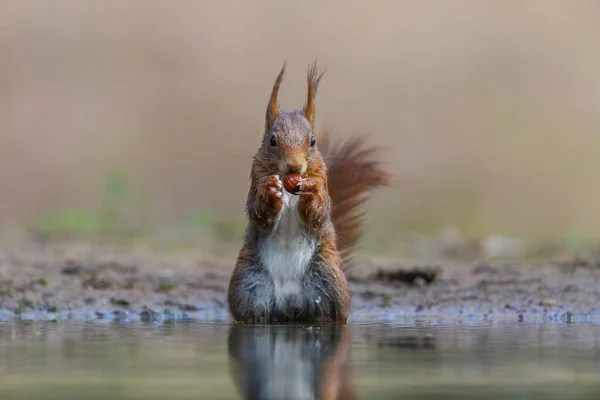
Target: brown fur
[
  {"x": 354, "y": 173},
  {"x": 335, "y": 181}
]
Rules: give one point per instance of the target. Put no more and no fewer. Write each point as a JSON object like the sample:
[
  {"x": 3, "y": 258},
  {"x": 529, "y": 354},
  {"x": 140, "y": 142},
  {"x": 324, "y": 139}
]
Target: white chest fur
[
  {"x": 286, "y": 254},
  {"x": 290, "y": 372}
]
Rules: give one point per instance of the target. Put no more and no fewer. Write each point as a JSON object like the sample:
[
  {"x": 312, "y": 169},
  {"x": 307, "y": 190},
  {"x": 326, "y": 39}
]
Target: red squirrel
[
  {"x": 267, "y": 362},
  {"x": 297, "y": 246}
]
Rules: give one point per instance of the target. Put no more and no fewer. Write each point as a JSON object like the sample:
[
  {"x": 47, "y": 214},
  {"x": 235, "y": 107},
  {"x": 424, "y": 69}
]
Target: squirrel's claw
[
  {"x": 307, "y": 185},
  {"x": 275, "y": 186},
  {"x": 307, "y": 189},
  {"x": 276, "y": 191},
  {"x": 276, "y": 181}
]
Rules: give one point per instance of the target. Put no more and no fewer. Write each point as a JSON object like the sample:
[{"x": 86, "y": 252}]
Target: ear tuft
[
  {"x": 273, "y": 107},
  {"x": 313, "y": 80}
]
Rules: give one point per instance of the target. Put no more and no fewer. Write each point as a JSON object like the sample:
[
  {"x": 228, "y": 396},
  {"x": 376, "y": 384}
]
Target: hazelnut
[{"x": 291, "y": 182}]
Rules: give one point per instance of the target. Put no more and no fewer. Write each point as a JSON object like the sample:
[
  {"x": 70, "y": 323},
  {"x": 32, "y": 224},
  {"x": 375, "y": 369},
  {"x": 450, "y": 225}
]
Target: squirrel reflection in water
[{"x": 291, "y": 362}]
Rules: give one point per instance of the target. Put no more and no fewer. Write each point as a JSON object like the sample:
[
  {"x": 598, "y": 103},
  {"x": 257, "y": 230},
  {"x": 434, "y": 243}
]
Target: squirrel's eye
[
  {"x": 272, "y": 141},
  {"x": 312, "y": 141}
]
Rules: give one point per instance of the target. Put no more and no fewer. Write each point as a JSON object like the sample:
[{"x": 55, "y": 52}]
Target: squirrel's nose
[{"x": 294, "y": 169}]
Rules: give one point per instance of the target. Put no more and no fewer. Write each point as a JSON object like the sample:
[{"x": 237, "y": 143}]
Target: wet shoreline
[{"x": 83, "y": 282}]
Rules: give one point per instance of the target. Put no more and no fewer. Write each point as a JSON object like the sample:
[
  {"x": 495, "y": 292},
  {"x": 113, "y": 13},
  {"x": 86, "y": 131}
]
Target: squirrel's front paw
[
  {"x": 308, "y": 188},
  {"x": 275, "y": 187}
]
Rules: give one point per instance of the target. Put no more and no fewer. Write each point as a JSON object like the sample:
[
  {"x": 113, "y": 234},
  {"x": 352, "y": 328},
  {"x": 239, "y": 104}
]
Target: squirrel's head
[{"x": 289, "y": 144}]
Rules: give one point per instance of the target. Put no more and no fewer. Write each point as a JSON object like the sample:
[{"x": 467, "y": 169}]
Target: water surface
[{"x": 185, "y": 360}]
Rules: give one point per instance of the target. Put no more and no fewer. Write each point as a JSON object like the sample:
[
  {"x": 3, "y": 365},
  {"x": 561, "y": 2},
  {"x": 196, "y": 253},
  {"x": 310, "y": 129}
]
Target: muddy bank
[{"x": 91, "y": 282}]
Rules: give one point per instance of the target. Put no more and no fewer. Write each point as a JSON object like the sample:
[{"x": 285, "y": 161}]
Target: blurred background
[{"x": 141, "y": 118}]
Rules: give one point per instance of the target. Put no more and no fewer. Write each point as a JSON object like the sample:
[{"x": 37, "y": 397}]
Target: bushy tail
[{"x": 353, "y": 174}]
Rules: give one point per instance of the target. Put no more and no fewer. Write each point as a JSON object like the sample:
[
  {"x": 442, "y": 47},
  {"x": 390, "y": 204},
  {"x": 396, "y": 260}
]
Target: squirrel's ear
[
  {"x": 313, "y": 84},
  {"x": 273, "y": 108}
]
